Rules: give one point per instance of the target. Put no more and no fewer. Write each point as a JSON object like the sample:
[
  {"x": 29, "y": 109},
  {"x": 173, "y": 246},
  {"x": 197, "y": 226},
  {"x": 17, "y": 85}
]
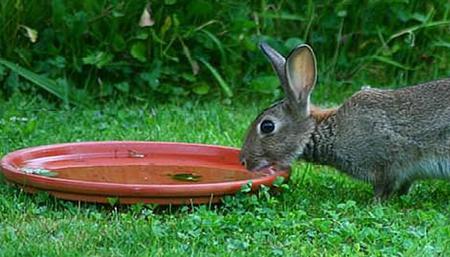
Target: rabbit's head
[{"x": 280, "y": 133}]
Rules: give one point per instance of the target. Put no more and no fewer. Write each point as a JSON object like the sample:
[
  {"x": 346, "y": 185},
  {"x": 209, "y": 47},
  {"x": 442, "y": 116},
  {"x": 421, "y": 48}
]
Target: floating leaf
[
  {"x": 186, "y": 177},
  {"x": 135, "y": 154},
  {"x": 39, "y": 171}
]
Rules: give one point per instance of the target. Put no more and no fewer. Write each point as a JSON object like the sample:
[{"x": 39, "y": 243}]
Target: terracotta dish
[{"x": 133, "y": 172}]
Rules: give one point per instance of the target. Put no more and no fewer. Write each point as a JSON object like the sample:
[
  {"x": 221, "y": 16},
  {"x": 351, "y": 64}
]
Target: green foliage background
[
  {"x": 197, "y": 56},
  {"x": 95, "y": 49}
]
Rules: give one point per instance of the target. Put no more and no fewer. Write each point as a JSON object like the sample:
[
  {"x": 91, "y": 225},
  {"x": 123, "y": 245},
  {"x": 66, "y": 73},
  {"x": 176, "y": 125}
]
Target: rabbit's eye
[{"x": 267, "y": 126}]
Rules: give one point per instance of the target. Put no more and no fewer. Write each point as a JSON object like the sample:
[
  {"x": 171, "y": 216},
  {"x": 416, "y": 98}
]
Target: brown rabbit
[{"x": 389, "y": 138}]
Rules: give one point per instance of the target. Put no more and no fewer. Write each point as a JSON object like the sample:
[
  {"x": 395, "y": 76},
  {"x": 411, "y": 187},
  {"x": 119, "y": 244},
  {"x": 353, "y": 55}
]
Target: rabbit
[{"x": 388, "y": 138}]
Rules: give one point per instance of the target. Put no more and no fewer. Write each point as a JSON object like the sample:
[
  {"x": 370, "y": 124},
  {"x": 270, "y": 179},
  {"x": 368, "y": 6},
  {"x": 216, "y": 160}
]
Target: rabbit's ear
[
  {"x": 277, "y": 60},
  {"x": 301, "y": 76},
  {"x": 279, "y": 65}
]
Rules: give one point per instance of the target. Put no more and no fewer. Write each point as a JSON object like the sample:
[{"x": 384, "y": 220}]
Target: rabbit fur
[{"x": 388, "y": 138}]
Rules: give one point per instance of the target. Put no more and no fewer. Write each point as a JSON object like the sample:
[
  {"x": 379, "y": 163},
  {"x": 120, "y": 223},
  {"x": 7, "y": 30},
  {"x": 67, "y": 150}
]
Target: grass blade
[
  {"x": 418, "y": 27},
  {"x": 226, "y": 89},
  {"x": 390, "y": 62},
  {"x": 43, "y": 82},
  {"x": 218, "y": 43},
  {"x": 187, "y": 53},
  {"x": 282, "y": 16}
]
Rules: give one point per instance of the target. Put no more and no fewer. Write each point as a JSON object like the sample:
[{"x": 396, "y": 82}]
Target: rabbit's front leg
[
  {"x": 404, "y": 188},
  {"x": 383, "y": 188}
]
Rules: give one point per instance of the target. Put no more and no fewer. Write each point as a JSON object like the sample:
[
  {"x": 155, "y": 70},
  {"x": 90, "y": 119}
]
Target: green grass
[{"x": 321, "y": 213}]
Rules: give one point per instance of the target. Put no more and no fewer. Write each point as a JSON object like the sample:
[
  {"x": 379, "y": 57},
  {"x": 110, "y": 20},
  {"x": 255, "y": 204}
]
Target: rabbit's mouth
[
  {"x": 280, "y": 166},
  {"x": 257, "y": 166},
  {"x": 273, "y": 166}
]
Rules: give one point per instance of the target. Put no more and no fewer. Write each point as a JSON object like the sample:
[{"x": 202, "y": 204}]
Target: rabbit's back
[{"x": 405, "y": 131}]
